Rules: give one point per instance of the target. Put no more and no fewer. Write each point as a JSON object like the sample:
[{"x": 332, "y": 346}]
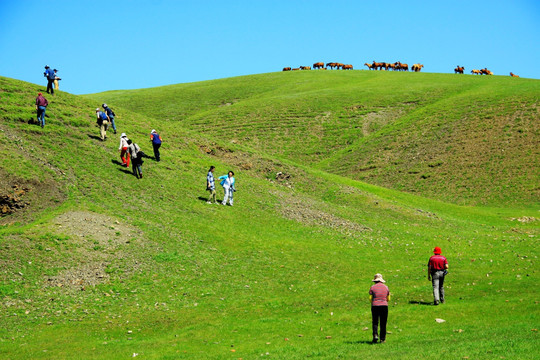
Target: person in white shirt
[
  {"x": 123, "y": 148},
  {"x": 227, "y": 181}
]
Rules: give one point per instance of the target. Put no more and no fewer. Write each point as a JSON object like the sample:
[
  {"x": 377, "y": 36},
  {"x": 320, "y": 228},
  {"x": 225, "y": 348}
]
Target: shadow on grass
[
  {"x": 205, "y": 199},
  {"x": 116, "y": 162},
  {"x": 94, "y": 137},
  {"x": 416, "y": 302},
  {"x": 126, "y": 171},
  {"x": 368, "y": 342}
]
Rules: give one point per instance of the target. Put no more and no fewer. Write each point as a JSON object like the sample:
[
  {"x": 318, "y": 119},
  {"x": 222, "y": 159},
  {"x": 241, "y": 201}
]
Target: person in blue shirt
[
  {"x": 50, "y": 75},
  {"x": 228, "y": 183},
  {"x": 210, "y": 185},
  {"x": 156, "y": 143},
  {"x": 111, "y": 116}
]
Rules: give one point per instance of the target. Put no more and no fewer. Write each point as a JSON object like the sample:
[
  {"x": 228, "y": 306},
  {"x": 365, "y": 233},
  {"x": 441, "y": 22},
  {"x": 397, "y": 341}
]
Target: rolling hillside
[
  {"x": 464, "y": 139},
  {"x": 96, "y": 264}
]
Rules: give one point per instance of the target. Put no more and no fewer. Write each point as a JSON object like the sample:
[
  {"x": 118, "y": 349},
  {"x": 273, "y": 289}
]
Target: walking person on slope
[
  {"x": 103, "y": 123},
  {"x": 437, "y": 270},
  {"x": 210, "y": 185},
  {"x": 56, "y": 79},
  {"x": 136, "y": 158},
  {"x": 156, "y": 143},
  {"x": 111, "y": 116},
  {"x": 379, "y": 296},
  {"x": 41, "y": 106},
  {"x": 227, "y": 181},
  {"x": 123, "y": 148},
  {"x": 50, "y": 75}
]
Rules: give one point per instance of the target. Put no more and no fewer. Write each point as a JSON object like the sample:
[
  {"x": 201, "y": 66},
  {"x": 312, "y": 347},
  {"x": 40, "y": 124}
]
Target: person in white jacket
[
  {"x": 227, "y": 181},
  {"x": 123, "y": 148}
]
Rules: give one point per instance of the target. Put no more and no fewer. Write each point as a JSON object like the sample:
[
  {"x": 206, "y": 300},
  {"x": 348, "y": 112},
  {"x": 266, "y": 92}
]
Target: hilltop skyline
[{"x": 103, "y": 46}]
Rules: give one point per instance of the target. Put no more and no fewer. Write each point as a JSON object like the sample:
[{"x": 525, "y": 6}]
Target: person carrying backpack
[
  {"x": 123, "y": 148},
  {"x": 41, "y": 106},
  {"x": 111, "y": 116},
  {"x": 136, "y": 158},
  {"x": 156, "y": 143},
  {"x": 50, "y": 75},
  {"x": 103, "y": 123}
]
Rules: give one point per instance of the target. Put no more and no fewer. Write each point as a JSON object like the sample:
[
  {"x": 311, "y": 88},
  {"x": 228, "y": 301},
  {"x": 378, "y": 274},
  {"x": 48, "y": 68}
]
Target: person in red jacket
[
  {"x": 437, "y": 269},
  {"x": 41, "y": 106}
]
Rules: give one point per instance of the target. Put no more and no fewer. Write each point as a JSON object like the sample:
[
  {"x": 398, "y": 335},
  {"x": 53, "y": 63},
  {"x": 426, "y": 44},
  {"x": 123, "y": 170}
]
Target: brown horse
[
  {"x": 476, "y": 72},
  {"x": 370, "y": 67},
  {"x": 513, "y": 75},
  {"x": 318, "y": 65},
  {"x": 347, "y": 67},
  {"x": 305, "y": 67},
  {"x": 417, "y": 67},
  {"x": 459, "y": 70},
  {"x": 331, "y": 65},
  {"x": 286, "y": 69}
]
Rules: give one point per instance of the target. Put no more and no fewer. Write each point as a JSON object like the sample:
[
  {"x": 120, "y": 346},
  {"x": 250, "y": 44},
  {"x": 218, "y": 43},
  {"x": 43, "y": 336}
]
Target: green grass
[
  {"x": 413, "y": 132},
  {"x": 185, "y": 280}
]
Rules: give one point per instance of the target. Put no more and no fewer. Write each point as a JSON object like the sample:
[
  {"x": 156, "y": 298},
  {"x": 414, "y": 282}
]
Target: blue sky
[{"x": 109, "y": 45}]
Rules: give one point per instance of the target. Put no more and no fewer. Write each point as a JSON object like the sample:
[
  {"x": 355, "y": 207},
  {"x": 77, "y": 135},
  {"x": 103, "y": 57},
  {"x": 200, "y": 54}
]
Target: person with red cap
[{"x": 437, "y": 269}]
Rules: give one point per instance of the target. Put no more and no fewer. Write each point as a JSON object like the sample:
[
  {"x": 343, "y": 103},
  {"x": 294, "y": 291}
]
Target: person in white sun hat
[{"x": 379, "y": 296}]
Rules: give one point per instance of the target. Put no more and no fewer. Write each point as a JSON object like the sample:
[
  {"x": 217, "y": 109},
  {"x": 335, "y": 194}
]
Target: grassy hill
[
  {"x": 98, "y": 264},
  {"x": 464, "y": 139}
]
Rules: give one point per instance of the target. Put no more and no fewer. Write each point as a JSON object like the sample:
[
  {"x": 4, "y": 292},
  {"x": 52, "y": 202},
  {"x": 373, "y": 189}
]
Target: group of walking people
[
  {"x": 227, "y": 182},
  {"x": 379, "y": 293},
  {"x": 131, "y": 152}
]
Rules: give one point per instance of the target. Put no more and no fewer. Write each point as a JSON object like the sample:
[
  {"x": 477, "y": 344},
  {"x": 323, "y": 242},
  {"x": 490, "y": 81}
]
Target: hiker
[
  {"x": 123, "y": 148},
  {"x": 210, "y": 185},
  {"x": 41, "y": 106},
  {"x": 111, "y": 116},
  {"x": 56, "y": 79},
  {"x": 136, "y": 158},
  {"x": 156, "y": 143},
  {"x": 103, "y": 122},
  {"x": 227, "y": 181},
  {"x": 437, "y": 270},
  {"x": 379, "y": 296},
  {"x": 49, "y": 74}
]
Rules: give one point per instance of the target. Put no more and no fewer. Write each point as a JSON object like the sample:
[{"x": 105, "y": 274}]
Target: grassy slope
[
  {"x": 203, "y": 280},
  {"x": 466, "y": 139}
]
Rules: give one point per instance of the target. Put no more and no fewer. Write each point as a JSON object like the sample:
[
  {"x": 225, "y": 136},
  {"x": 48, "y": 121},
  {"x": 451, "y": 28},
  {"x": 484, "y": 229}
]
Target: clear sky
[{"x": 108, "y": 45}]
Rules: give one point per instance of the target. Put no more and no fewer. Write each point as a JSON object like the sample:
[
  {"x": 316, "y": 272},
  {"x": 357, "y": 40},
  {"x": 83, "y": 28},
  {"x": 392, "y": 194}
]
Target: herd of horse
[{"x": 397, "y": 66}]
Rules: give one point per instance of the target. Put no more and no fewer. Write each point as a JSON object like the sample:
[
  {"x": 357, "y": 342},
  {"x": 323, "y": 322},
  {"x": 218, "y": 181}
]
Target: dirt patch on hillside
[
  {"x": 374, "y": 121},
  {"x": 263, "y": 168},
  {"x": 309, "y": 212},
  {"x": 102, "y": 247},
  {"x": 22, "y": 200}
]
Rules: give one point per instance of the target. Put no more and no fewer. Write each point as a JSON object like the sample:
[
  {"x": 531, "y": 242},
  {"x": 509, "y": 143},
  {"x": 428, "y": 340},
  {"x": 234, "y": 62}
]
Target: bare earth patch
[
  {"x": 101, "y": 241},
  {"x": 306, "y": 211}
]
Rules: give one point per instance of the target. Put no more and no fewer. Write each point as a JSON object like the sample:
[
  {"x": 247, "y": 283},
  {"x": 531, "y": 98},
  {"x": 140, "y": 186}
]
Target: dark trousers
[
  {"x": 156, "y": 151},
  {"x": 136, "y": 165},
  {"x": 379, "y": 314},
  {"x": 50, "y": 83}
]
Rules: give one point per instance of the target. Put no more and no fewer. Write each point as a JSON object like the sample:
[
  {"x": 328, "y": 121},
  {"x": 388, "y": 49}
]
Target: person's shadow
[
  {"x": 94, "y": 137},
  {"x": 419, "y": 302},
  {"x": 360, "y": 342},
  {"x": 116, "y": 162}
]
